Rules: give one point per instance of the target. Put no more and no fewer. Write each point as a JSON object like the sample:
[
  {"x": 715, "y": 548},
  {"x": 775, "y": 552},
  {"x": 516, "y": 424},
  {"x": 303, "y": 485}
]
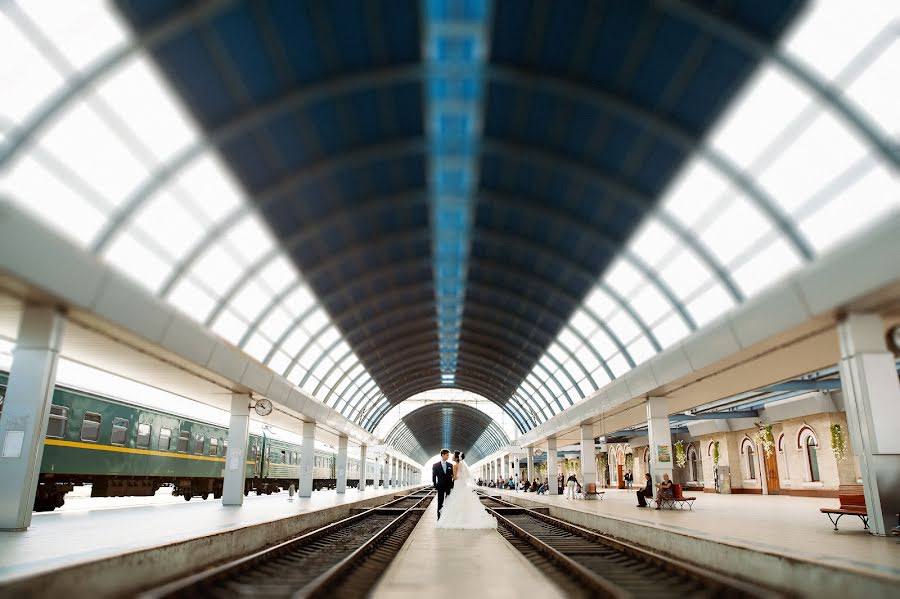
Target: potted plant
[
  {"x": 680, "y": 455},
  {"x": 838, "y": 446}
]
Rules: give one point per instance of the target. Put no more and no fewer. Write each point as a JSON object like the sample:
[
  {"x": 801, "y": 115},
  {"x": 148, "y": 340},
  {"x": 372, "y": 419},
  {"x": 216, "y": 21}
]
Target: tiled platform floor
[
  {"x": 454, "y": 564},
  {"x": 57, "y": 539},
  {"x": 789, "y": 526}
]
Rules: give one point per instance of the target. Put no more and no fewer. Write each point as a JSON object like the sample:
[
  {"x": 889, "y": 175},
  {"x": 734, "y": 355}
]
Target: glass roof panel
[
  {"x": 217, "y": 269},
  {"x": 230, "y": 326},
  {"x": 258, "y": 346},
  {"x": 111, "y": 167},
  {"x": 80, "y": 31},
  {"x": 169, "y": 220},
  {"x": 766, "y": 266},
  {"x": 709, "y": 304},
  {"x": 28, "y": 80},
  {"x": 279, "y": 362},
  {"x": 734, "y": 229},
  {"x": 210, "y": 185},
  {"x": 46, "y": 194},
  {"x": 140, "y": 264},
  {"x": 191, "y": 299},
  {"x": 136, "y": 95},
  {"x": 670, "y": 330}
]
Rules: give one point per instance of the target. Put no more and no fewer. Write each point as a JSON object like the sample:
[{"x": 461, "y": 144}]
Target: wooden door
[
  {"x": 620, "y": 476},
  {"x": 771, "y": 464}
]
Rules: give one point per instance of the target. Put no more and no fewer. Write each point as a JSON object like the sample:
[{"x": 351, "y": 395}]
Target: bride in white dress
[{"x": 462, "y": 508}]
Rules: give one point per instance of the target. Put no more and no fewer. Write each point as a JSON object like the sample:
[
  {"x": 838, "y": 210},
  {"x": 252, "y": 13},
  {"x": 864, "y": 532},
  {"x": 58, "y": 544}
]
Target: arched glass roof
[
  {"x": 712, "y": 243},
  {"x": 122, "y": 170},
  {"x": 102, "y": 146}
]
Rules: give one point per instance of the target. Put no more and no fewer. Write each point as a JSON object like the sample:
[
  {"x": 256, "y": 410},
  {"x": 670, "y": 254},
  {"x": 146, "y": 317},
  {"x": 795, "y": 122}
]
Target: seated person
[
  {"x": 542, "y": 489},
  {"x": 666, "y": 490},
  {"x": 646, "y": 492}
]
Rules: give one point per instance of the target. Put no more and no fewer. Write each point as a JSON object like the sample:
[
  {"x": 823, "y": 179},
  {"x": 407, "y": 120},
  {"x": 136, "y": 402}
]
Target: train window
[
  {"x": 213, "y": 446},
  {"x": 284, "y": 457},
  {"x": 198, "y": 443},
  {"x": 59, "y": 418},
  {"x": 225, "y": 447},
  {"x": 90, "y": 426},
  {"x": 119, "y": 431},
  {"x": 183, "y": 439},
  {"x": 165, "y": 436},
  {"x": 143, "y": 436}
]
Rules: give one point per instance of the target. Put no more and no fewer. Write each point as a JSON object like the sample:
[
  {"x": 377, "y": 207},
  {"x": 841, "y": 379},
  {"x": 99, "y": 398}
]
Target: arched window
[
  {"x": 808, "y": 443},
  {"x": 747, "y": 450},
  {"x": 784, "y": 472},
  {"x": 695, "y": 466},
  {"x": 812, "y": 456}
]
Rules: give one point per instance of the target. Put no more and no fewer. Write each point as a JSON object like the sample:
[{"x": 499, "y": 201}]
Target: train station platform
[
  {"x": 117, "y": 543},
  {"x": 451, "y": 564},
  {"x": 780, "y": 540}
]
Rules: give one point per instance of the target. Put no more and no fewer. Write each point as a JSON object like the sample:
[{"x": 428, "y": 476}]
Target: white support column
[
  {"x": 552, "y": 488},
  {"x": 531, "y": 463},
  {"x": 660, "y": 435},
  {"x": 236, "y": 459},
  {"x": 341, "y": 486},
  {"x": 393, "y": 472},
  {"x": 362, "y": 469},
  {"x": 307, "y": 460},
  {"x": 872, "y": 401},
  {"x": 588, "y": 456},
  {"x": 26, "y": 412}
]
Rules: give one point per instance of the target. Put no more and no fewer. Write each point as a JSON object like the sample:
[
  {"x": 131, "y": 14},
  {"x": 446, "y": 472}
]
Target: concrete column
[
  {"x": 551, "y": 467},
  {"x": 307, "y": 460},
  {"x": 660, "y": 435},
  {"x": 393, "y": 470},
  {"x": 531, "y": 463},
  {"x": 872, "y": 401},
  {"x": 236, "y": 459},
  {"x": 588, "y": 458},
  {"x": 341, "y": 466},
  {"x": 26, "y": 412},
  {"x": 362, "y": 467}
]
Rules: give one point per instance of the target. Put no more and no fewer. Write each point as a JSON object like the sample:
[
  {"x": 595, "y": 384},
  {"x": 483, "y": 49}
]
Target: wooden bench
[
  {"x": 853, "y": 503},
  {"x": 591, "y": 492},
  {"x": 676, "y": 499}
]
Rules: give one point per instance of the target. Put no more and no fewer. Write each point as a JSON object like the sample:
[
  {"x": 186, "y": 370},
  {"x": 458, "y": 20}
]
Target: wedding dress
[{"x": 462, "y": 508}]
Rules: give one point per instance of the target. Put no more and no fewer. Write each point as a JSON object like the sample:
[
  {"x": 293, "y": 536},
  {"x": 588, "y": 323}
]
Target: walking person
[
  {"x": 647, "y": 491},
  {"x": 570, "y": 484},
  {"x": 442, "y": 478}
]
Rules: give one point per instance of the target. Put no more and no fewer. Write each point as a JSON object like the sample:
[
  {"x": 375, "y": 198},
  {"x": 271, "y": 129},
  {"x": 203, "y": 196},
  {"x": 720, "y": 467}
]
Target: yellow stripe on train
[{"x": 163, "y": 454}]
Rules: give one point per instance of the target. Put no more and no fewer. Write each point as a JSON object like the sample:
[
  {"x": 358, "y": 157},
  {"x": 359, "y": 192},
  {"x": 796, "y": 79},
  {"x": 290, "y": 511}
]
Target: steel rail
[{"x": 248, "y": 562}]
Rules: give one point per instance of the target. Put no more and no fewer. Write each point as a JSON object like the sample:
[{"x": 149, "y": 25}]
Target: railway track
[
  {"x": 601, "y": 566},
  {"x": 342, "y": 559}
]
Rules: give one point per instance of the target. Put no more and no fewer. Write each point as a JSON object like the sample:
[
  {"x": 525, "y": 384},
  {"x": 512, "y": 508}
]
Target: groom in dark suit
[{"x": 442, "y": 478}]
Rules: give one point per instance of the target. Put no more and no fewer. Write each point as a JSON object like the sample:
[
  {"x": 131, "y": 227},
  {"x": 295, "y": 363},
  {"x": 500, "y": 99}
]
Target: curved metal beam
[
  {"x": 148, "y": 40},
  {"x": 855, "y": 119},
  {"x": 309, "y": 229},
  {"x": 233, "y": 128},
  {"x": 385, "y": 408},
  {"x": 688, "y": 141},
  {"x": 574, "y": 171},
  {"x": 262, "y": 198}
]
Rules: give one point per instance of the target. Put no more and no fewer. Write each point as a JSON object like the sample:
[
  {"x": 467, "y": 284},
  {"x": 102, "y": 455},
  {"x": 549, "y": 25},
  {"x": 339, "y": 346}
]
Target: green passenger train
[{"x": 122, "y": 449}]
